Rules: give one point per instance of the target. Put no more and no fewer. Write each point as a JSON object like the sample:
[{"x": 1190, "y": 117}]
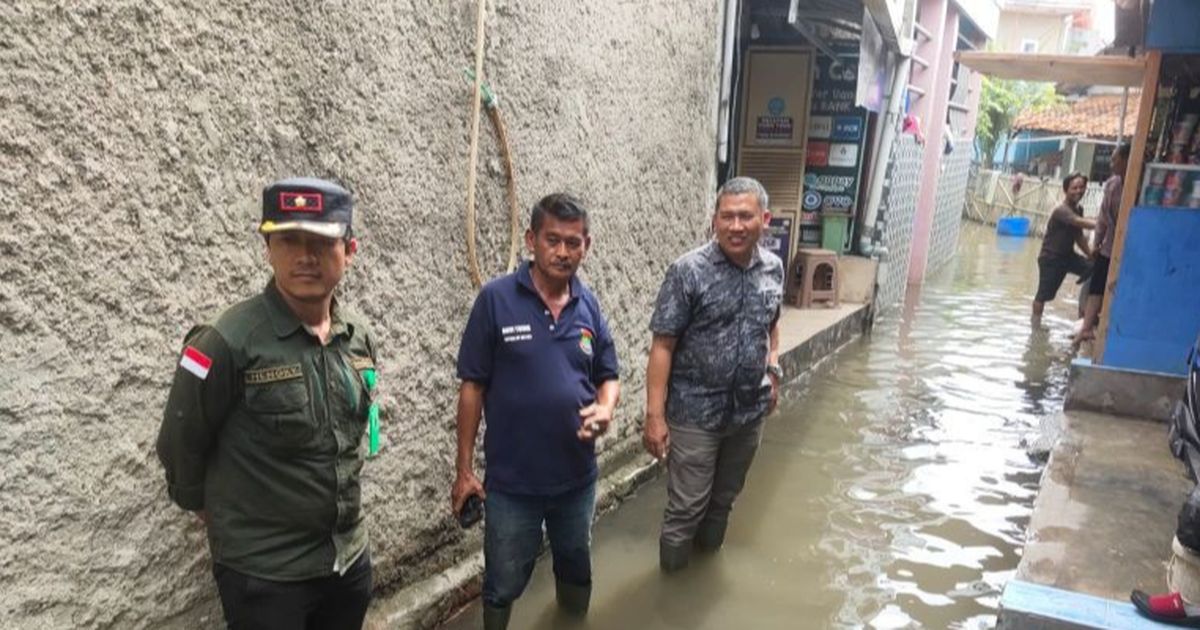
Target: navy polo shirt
[{"x": 538, "y": 374}]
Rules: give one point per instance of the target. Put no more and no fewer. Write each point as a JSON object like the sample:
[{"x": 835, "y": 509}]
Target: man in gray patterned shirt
[{"x": 713, "y": 373}]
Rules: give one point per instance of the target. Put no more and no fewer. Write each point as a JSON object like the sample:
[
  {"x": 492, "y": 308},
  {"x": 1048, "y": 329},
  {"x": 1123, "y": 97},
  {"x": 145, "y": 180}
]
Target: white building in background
[{"x": 1056, "y": 27}]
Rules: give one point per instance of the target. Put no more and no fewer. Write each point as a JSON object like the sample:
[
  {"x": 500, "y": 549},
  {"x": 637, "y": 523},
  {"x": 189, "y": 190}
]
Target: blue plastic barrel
[{"x": 1013, "y": 226}]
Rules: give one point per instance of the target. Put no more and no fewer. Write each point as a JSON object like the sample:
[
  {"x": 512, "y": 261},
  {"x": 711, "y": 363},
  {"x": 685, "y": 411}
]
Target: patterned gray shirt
[{"x": 721, "y": 316}]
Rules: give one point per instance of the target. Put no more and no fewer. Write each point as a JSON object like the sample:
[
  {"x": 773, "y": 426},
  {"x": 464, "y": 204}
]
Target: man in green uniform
[{"x": 262, "y": 434}]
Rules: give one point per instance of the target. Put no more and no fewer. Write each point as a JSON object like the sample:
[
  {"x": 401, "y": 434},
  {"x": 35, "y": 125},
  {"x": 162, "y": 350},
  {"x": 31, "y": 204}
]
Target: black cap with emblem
[{"x": 309, "y": 204}]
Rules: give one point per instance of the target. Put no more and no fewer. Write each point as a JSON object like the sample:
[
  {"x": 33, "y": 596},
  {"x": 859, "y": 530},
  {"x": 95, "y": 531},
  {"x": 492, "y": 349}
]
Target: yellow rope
[
  {"x": 514, "y": 212},
  {"x": 472, "y": 258}
]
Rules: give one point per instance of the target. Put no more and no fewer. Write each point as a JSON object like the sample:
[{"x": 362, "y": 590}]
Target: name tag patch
[
  {"x": 361, "y": 363},
  {"x": 273, "y": 374},
  {"x": 519, "y": 332}
]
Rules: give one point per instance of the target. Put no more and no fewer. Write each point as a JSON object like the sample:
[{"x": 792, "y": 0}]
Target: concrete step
[
  {"x": 1102, "y": 524},
  {"x": 1028, "y": 606}
]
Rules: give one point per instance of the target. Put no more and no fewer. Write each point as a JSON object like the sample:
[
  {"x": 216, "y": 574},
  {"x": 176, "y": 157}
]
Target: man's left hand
[
  {"x": 594, "y": 421},
  {"x": 774, "y": 394}
]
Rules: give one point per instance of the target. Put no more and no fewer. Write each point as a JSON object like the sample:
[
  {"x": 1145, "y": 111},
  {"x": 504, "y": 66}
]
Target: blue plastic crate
[{"x": 1013, "y": 226}]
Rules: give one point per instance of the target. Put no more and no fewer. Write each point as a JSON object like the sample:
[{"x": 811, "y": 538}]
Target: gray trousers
[{"x": 705, "y": 472}]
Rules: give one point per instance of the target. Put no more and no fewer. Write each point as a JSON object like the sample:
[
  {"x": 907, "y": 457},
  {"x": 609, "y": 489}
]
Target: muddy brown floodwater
[{"x": 892, "y": 488}]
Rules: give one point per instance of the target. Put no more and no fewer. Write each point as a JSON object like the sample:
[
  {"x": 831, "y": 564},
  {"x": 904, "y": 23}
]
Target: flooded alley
[
  {"x": 269, "y": 264},
  {"x": 892, "y": 488}
]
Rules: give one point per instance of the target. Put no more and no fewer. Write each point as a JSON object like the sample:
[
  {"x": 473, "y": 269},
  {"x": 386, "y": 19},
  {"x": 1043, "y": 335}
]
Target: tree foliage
[{"x": 1000, "y": 102}]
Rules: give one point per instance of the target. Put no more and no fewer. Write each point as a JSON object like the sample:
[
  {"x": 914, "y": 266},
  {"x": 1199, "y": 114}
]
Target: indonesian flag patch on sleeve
[{"x": 195, "y": 362}]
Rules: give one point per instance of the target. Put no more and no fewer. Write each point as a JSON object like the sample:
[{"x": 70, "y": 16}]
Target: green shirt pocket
[{"x": 277, "y": 399}]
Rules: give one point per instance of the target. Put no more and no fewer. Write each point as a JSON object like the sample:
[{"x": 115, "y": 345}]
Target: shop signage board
[
  {"x": 836, "y": 136},
  {"x": 783, "y": 237},
  {"x": 776, "y": 99},
  {"x": 778, "y": 238},
  {"x": 774, "y": 121}
]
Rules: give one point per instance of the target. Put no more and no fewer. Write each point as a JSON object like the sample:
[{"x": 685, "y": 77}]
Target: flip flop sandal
[{"x": 1168, "y": 609}]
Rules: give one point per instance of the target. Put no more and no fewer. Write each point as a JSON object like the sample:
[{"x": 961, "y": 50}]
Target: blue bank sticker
[
  {"x": 812, "y": 200},
  {"x": 820, "y": 127},
  {"x": 843, "y": 155},
  {"x": 847, "y": 128},
  {"x": 776, "y": 106}
]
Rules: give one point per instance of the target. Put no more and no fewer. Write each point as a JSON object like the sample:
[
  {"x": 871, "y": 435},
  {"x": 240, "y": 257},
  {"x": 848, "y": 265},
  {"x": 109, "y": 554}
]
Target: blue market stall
[{"x": 1152, "y": 313}]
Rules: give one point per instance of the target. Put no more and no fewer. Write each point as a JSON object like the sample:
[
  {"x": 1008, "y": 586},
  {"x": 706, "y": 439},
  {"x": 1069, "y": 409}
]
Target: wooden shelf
[{"x": 1167, "y": 166}]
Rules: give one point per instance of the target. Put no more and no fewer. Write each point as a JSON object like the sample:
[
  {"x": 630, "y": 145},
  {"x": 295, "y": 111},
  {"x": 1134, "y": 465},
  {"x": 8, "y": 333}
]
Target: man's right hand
[
  {"x": 465, "y": 484},
  {"x": 655, "y": 436},
  {"x": 203, "y": 516}
]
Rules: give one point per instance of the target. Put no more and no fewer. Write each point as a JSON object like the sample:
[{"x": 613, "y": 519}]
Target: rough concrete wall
[{"x": 134, "y": 140}]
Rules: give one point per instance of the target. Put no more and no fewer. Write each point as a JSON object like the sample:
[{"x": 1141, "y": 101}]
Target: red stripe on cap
[
  {"x": 301, "y": 202},
  {"x": 200, "y": 358}
]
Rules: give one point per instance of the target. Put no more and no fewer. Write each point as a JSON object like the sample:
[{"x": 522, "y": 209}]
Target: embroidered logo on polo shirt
[
  {"x": 585, "y": 340},
  {"x": 519, "y": 332}
]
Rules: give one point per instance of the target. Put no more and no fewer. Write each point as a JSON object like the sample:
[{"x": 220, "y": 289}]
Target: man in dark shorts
[
  {"x": 1063, "y": 232},
  {"x": 1102, "y": 241}
]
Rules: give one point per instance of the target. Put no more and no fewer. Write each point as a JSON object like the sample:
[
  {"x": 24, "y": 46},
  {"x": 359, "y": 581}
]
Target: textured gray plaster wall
[{"x": 135, "y": 137}]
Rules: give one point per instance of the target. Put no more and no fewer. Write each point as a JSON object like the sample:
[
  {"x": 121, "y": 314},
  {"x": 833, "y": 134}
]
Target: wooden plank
[
  {"x": 1132, "y": 184},
  {"x": 1075, "y": 69}
]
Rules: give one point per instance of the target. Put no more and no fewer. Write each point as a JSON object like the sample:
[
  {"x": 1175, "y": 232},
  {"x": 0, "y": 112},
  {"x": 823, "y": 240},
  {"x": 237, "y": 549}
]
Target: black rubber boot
[
  {"x": 496, "y": 618},
  {"x": 710, "y": 536},
  {"x": 573, "y": 598},
  {"x": 672, "y": 558}
]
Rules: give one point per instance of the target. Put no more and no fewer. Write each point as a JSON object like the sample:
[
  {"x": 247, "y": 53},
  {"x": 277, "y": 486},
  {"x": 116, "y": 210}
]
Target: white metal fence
[{"x": 993, "y": 195}]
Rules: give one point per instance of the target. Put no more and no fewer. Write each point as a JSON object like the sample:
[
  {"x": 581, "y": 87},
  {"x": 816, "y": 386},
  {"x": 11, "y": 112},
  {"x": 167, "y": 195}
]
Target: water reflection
[{"x": 891, "y": 490}]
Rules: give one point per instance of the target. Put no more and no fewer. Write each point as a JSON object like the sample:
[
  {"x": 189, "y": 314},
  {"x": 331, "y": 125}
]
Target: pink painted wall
[
  {"x": 942, "y": 21},
  {"x": 976, "y": 87}
]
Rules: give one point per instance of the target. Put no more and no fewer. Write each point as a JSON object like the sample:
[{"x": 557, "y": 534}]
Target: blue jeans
[{"x": 513, "y": 536}]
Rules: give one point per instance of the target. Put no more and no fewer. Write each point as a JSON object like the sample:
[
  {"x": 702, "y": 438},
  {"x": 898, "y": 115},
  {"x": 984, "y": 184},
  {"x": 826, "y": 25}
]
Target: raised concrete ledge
[
  {"x": 1146, "y": 395},
  {"x": 1101, "y": 526},
  {"x": 800, "y": 350},
  {"x": 1025, "y": 606}
]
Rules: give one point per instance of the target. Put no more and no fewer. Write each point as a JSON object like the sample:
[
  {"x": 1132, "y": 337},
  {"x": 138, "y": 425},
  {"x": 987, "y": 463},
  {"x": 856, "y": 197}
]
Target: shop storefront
[{"x": 1152, "y": 313}]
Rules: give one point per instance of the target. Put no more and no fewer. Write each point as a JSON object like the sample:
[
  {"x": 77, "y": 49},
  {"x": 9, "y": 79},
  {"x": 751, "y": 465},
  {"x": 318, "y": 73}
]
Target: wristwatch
[{"x": 776, "y": 371}]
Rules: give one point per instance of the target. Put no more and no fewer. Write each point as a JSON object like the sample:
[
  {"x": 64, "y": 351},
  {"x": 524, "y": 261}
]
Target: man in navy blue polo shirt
[{"x": 538, "y": 362}]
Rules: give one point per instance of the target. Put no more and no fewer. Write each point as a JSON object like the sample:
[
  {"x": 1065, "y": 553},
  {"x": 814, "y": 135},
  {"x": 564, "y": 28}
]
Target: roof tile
[{"x": 1095, "y": 116}]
